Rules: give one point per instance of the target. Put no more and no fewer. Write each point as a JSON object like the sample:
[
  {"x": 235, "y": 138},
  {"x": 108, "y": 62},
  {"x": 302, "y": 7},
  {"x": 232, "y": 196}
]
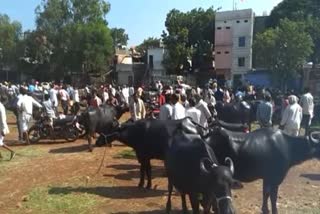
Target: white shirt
[
  {"x": 64, "y": 95},
  {"x": 205, "y": 113},
  {"x": 194, "y": 114},
  {"x": 105, "y": 96},
  {"x": 307, "y": 104},
  {"x": 25, "y": 104},
  {"x": 76, "y": 95},
  {"x": 292, "y": 116},
  {"x": 53, "y": 96},
  {"x": 178, "y": 112},
  {"x": 165, "y": 112},
  {"x": 3, "y": 120},
  {"x": 125, "y": 93}
]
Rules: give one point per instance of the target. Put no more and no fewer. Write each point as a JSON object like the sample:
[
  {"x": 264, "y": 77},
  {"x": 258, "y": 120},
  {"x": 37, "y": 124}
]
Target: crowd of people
[{"x": 175, "y": 102}]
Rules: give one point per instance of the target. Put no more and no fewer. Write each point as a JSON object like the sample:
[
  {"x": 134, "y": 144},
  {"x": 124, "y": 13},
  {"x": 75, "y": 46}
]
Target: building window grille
[
  {"x": 242, "y": 41},
  {"x": 241, "y": 61}
]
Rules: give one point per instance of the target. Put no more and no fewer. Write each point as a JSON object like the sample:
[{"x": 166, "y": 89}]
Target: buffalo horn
[
  {"x": 230, "y": 163},
  {"x": 316, "y": 141},
  {"x": 203, "y": 165}
]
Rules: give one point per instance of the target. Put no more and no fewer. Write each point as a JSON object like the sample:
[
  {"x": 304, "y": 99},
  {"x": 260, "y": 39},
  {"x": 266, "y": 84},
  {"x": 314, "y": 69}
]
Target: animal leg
[
  {"x": 142, "y": 170},
  {"x": 265, "y": 196},
  {"x": 148, "y": 172},
  {"x": 194, "y": 203},
  {"x": 274, "y": 197},
  {"x": 206, "y": 204},
  {"x": 90, "y": 142},
  {"x": 184, "y": 203},
  {"x": 170, "y": 188}
]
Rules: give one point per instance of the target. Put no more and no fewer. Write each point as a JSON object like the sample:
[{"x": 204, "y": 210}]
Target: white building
[
  {"x": 233, "y": 43},
  {"x": 155, "y": 67}
]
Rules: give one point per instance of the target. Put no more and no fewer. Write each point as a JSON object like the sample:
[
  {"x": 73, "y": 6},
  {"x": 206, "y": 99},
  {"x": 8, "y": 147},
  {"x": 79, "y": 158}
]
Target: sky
[{"x": 140, "y": 18}]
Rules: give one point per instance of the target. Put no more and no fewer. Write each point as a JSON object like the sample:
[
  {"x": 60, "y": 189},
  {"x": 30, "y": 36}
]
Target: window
[
  {"x": 219, "y": 28},
  {"x": 226, "y": 52},
  {"x": 245, "y": 21},
  {"x": 225, "y": 21},
  {"x": 238, "y": 21},
  {"x": 241, "y": 61},
  {"x": 242, "y": 41},
  {"x": 218, "y": 52},
  {"x": 227, "y": 27}
]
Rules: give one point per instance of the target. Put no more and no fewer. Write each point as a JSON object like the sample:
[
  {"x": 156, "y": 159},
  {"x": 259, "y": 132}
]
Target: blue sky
[{"x": 140, "y": 18}]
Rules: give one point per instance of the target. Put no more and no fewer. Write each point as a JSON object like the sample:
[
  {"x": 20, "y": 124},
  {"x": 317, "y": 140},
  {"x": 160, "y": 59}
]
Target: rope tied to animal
[{"x": 223, "y": 198}]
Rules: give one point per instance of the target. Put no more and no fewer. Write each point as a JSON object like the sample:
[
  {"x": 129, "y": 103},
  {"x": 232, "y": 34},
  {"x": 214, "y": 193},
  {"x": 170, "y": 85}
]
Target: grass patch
[
  {"x": 126, "y": 154},
  {"x": 21, "y": 156},
  {"x": 39, "y": 200},
  {"x": 302, "y": 211}
]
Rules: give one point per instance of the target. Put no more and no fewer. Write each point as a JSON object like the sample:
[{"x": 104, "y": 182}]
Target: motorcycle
[{"x": 67, "y": 128}]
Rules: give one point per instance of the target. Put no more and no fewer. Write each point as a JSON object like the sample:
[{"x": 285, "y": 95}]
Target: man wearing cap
[{"x": 292, "y": 117}]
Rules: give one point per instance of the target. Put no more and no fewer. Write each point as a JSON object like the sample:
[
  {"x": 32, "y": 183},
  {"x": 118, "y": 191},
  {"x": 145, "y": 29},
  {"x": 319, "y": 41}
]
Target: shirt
[
  {"x": 194, "y": 114},
  {"x": 76, "y": 96},
  {"x": 292, "y": 116},
  {"x": 165, "y": 112},
  {"x": 178, "y": 112},
  {"x": 205, "y": 113},
  {"x": 264, "y": 113},
  {"x": 3, "y": 120},
  {"x": 48, "y": 107},
  {"x": 137, "y": 110},
  {"x": 307, "y": 104},
  {"x": 25, "y": 104},
  {"x": 53, "y": 96},
  {"x": 64, "y": 95}
]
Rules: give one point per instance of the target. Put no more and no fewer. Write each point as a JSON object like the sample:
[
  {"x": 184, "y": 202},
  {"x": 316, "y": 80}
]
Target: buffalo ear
[{"x": 236, "y": 184}]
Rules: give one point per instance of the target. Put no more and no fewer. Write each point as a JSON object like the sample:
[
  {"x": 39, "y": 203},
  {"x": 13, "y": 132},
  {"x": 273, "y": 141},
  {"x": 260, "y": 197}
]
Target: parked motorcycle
[{"x": 67, "y": 128}]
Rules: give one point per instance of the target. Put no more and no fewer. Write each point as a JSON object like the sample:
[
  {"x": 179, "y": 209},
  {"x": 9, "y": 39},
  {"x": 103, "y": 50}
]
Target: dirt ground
[{"x": 67, "y": 169}]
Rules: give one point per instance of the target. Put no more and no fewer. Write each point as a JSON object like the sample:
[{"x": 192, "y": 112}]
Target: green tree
[
  {"x": 119, "y": 37},
  {"x": 73, "y": 36},
  {"x": 189, "y": 36},
  {"x": 306, "y": 11},
  {"x": 150, "y": 42},
  {"x": 284, "y": 49},
  {"x": 10, "y": 36}
]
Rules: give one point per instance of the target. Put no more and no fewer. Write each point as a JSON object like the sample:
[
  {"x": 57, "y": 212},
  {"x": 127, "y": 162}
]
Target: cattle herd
[
  {"x": 211, "y": 161},
  {"x": 205, "y": 163}
]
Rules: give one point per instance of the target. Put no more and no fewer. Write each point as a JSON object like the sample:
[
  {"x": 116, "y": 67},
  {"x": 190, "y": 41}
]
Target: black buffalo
[
  {"x": 193, "y": 170},
  {"x": 263, "y": 154},
  {"x": 102, "y": 120},
  {"x": 238, "y": 112},
  {"x": 150, "y": 140}
]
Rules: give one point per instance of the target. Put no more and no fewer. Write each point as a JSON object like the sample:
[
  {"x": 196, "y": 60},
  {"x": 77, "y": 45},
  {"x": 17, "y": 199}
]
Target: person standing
[
  {"x": 166, "y": 109},
  {"x": 64, "y": 95},
  {"x": 193, "y": 112},
  {"x": 307, "y": 105},
  {"x": 54, "y": 98},
  {"x": 264, "y": 112},
  {"x": 205, "y": 112},
  {"x": 178, "y": 111},
  {"x": 292, "y": 117},
  {"x": 95, "y": 101},
  {"x": 4, "y": 130},
  {"x": 25, "y": 106},
  {"x": 137, "y": 108}
]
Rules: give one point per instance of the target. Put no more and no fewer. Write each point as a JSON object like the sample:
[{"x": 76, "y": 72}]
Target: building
[
  {"x": 155, "y": 68},
  {"x": 233, "y": 43}
]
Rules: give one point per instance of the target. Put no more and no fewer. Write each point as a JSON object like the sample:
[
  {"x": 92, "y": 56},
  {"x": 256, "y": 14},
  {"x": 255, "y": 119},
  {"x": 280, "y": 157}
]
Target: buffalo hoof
[
  {"x": 148, "y": 186},
  {"x": 90, "y": 149},
  {"x": 265, "y": 211},
  {"x": 141, "y": 185}
]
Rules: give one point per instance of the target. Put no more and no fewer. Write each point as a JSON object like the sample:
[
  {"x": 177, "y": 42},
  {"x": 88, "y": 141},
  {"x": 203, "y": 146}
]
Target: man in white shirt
[
  {"x": 53, "y": 97},
  {"x": 292, "y": 117},
  {"x": 64, "y": 95},
  {"x": 137, "y": 108},
  {"x": 178, "y": 111},
  {"x": 166, "y": 109},
  {"x": 125, "y": 93},
  {"x": 307, "y": 105},
  {"x": 25, "y": 105},
  {"x": 205, "y": 113},
  {"x": 193, "y": 112}
]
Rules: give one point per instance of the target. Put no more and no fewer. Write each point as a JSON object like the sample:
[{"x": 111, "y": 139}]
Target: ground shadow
[
  {"x": 71, "y": 149},
  {"x": 312, "y": 177},
  {"x": 124, "y": 166},
  {"x": 122, "y": 192},
  {"x": 157, "y": 172},
  {"x": 162, "y": 211}
]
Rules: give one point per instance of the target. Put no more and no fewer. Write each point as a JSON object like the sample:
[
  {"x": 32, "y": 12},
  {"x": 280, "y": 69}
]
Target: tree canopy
[
  {"x": 284, "y": 49},
  {"x": 189, "y": 36},
  {"x": 119, "y": 36},
  {"x": 150, "y": 42}
]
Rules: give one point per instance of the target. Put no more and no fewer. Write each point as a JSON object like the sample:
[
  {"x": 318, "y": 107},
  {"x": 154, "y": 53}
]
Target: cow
[
  {"x": 265, "y": 154},
  {"x": 102, "y": 120},
  {"x": 193, "y": 170},
  {"x": 150, "y": 140}
]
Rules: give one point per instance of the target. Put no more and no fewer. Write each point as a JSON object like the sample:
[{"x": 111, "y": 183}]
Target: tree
[
  {"x": 284, "y": 49},
  {"x": 119, "y": 37},
  {"x": 189, "y": 36},
  {"x": 306, "y": 11},
  {"x": 73, "y": 36},
  {"x": 10, "y": 34},
  {"x": 150, "y": 42}
]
